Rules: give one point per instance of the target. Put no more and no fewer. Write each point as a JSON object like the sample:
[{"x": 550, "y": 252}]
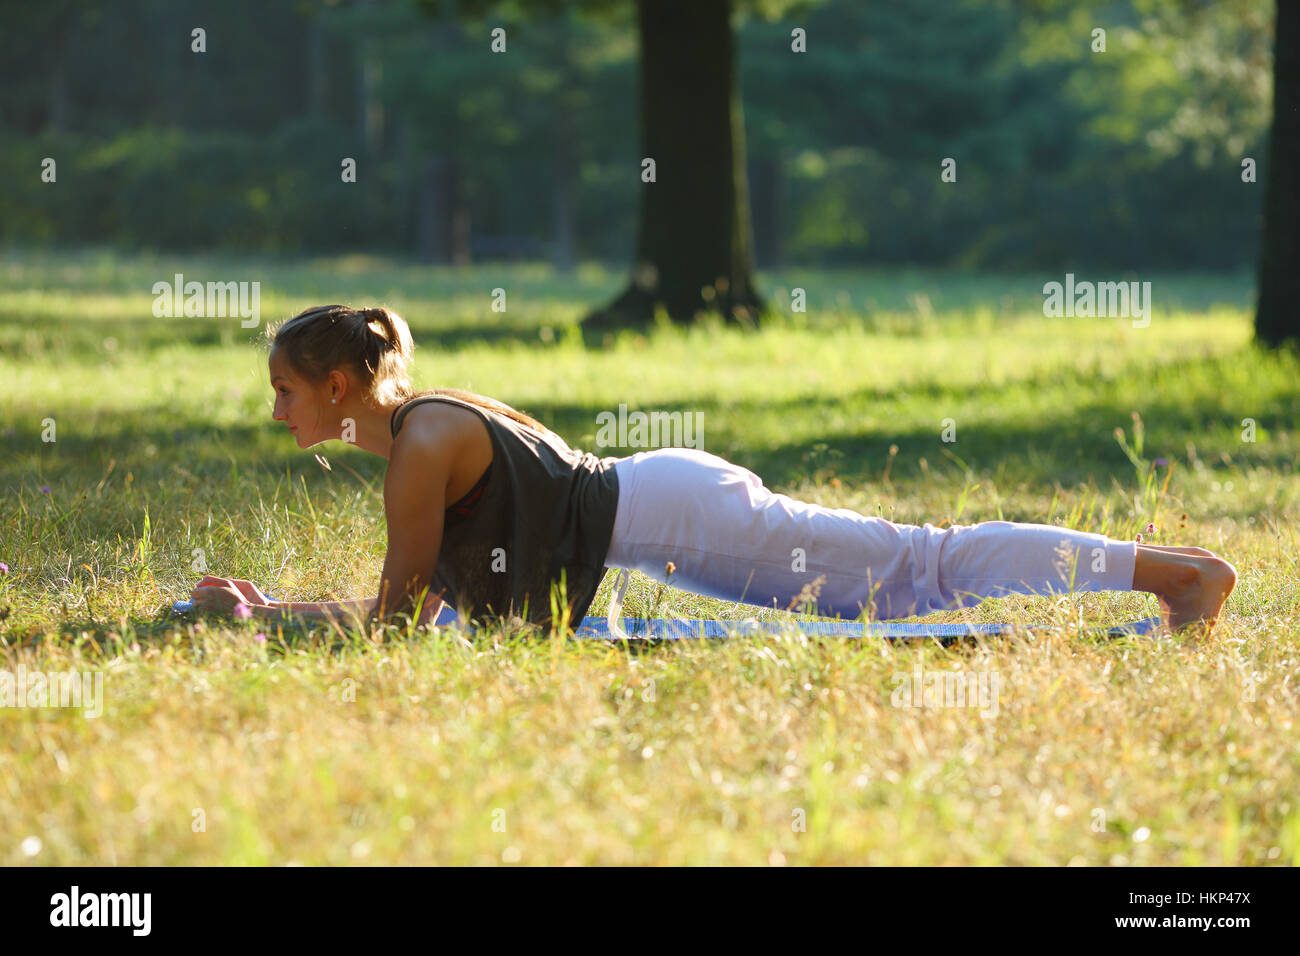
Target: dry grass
[{"x": 215, "y": 747}]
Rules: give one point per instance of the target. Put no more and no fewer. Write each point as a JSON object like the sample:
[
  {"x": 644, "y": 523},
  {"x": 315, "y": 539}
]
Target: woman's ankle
[{"x": 1167, "y": 573}]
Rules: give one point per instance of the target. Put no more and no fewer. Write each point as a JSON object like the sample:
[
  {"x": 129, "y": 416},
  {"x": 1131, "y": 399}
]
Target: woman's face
[{"x": 297, "y": 404}]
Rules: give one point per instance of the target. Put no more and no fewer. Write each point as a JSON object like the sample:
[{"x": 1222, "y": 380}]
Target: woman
[{"x": 533, "y": 524}]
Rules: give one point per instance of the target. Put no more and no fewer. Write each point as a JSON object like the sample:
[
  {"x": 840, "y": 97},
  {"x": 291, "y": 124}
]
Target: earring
[{"x": 334, "y": 401}]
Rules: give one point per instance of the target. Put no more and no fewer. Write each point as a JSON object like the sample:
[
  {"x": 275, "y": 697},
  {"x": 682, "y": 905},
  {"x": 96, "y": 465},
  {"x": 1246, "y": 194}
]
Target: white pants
[{"x": 732, "y": 538}]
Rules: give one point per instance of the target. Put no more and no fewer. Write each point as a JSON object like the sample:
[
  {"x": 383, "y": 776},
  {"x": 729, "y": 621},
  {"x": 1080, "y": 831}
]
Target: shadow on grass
[
  {"x": 162, "y": 628},
  {"x": 1067, "y": 446},
  {"x": 1071, "y": 446},
  {"x": 1080, "y": 448},
  {"x": 82, "y": 342}
]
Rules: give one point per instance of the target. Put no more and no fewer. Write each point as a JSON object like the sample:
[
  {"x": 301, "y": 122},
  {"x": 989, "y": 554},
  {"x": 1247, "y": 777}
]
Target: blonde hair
[{"x": 375, "y": 344}]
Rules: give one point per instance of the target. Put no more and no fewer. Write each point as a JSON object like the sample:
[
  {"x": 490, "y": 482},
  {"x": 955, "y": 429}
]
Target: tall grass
[{"x": 215, "y": 746}]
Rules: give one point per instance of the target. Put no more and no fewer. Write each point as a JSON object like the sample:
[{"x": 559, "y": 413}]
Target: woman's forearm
[
  {"x": 336, "y": 610},
  {"x": 316, "y": 610}
]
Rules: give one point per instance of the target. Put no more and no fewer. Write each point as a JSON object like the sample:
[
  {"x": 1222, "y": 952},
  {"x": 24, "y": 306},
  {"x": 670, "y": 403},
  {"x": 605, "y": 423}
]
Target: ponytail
[{"x": 376, "y": 345}]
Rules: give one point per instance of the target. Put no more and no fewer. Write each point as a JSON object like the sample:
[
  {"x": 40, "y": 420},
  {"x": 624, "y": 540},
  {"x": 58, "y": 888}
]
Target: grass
[{"x": 214, "y": 747}]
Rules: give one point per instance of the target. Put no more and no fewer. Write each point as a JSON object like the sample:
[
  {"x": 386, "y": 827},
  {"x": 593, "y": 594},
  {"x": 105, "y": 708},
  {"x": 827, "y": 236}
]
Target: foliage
[{"x": 1066, "y": 158}]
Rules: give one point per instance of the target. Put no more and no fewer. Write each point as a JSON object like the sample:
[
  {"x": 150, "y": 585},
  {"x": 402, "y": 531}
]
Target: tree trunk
[
  {"x": 460, "y": 213},
  {"x": 564, "y": 145},
  {"x": 315, "y": 65},
  {"x": 433, "y": 237},
  {"x": 694, "y": 241},
  {"x": 778, "y": 208},
  {"x": 407, "y": 186},
  {"x": 370, "y": 110},
  {"x": 57, "y": 115},
  {"x": 769, "y": 198},
  {"x": 435, "y": 174},
  {"x": 565, "y": 198},
  {"x": 1277, "y": 316}
]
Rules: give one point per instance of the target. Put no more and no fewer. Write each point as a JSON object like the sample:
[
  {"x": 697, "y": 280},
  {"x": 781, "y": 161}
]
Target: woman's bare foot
[{"x": 1191, "y": 584}]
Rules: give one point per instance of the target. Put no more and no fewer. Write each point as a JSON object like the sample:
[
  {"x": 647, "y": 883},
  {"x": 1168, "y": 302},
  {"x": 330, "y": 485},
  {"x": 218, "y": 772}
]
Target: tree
[
  {"x": 694, "y": 240},
  {"x": 1277, "y": 315},
  {"x": 886, "y": 92}
]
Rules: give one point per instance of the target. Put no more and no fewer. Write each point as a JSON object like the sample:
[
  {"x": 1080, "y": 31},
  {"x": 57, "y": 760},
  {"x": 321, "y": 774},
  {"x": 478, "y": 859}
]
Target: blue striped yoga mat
[
  {"x": 664, "y": 629},
  {"x": 659, "y": 628}
]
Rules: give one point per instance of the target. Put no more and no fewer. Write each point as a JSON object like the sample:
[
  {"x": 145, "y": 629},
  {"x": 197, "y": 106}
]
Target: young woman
[{"x": 490, "y": 511}]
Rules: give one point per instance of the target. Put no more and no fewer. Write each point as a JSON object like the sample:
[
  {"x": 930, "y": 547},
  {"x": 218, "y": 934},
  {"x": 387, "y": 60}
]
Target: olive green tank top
[{"x": 544, "y": 511}]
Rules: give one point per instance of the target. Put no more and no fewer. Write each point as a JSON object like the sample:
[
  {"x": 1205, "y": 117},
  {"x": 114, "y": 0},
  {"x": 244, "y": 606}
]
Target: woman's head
[{"x": 332, "y": 355}]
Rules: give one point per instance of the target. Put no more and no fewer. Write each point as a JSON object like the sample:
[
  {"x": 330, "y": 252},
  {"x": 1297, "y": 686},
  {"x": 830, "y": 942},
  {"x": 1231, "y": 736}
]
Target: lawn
[{"x": 223, "y": 743}]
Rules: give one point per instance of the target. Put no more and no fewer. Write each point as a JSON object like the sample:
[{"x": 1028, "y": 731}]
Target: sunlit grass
[{"x": 432, "y": 748}]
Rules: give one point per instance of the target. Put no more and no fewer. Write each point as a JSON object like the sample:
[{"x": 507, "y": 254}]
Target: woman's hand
[
  {"x": 223, "y": 595},
  {"x": 251, "y": 592}
]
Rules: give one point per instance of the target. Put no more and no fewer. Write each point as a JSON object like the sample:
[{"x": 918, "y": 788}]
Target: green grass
[{"x": 216, "y": 748}]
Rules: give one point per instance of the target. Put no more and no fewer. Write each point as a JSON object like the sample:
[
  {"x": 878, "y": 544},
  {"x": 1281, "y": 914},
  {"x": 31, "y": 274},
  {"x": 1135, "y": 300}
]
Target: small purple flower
[
  {"x": 260, "y": 638},
  {"x": 1151, "y": 529},
  {"x": 45, "y": 489},
  {"x": 1139, "y": 537},
  {"x": 243, "y": 611},
  {"x": 1162, "y": 461},
  {"x": 4, "y": 569}
]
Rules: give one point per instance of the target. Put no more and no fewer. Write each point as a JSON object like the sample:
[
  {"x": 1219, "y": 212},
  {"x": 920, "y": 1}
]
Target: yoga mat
[
  {"x": 664, "y": 629},
  {"x": 601, "y": 628},
  {"x": 619, "y": 628}
]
